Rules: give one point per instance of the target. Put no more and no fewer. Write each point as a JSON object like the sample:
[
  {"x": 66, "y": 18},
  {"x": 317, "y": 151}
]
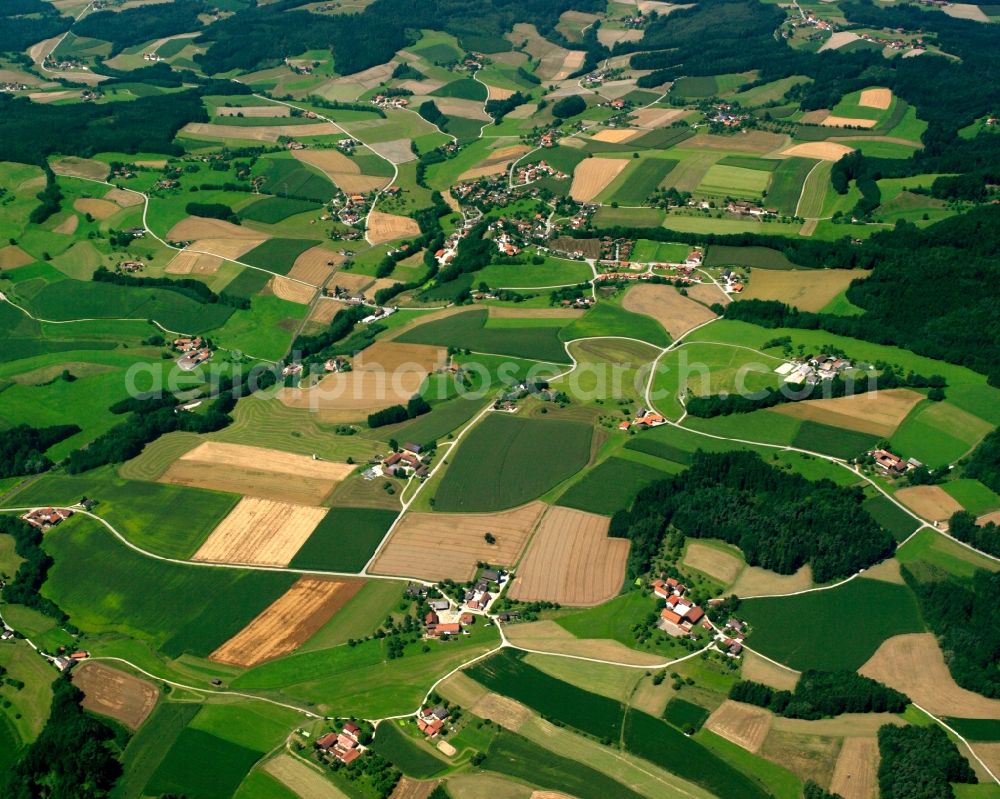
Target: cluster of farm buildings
[
  {"x": 194, "y": 351},
  {"x": 680, "y": 615},
  {"x": 812, "y": 370},
  {"x": 343, "y": 746},
  {"x": 45, "y": 518}
]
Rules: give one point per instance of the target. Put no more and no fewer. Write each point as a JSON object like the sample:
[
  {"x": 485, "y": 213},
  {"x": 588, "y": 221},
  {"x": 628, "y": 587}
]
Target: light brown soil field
[
  {"x": 593, "y": 175},
  {"x": 253, "y": 111},
  {"x": 755, "y": 141},
  {"x": 514, "y": 312},
  {"x": 397, "y": 151},
  {"x": 496, "y": 93},
  {"x": 764, "y": 671},
  {"x": 875, "y": 412},
  {"x": 68, "y": 226},
  {"x": 571, "y": 63},
  {"x": 301, "y": 778},
  {"x": 504, "y": 711},
  {"x": 856, "y": 773},
  {"x": 876, "y": 98},
  {"x": 188, "y": 263},
  {"x": 745, "y": 725},
  {"x": 260, "y": 532},
  {"x": 478, "y": 785},
  {"x": 931, "y": 502},
  {"x": 815, "y": 117},
  {"x": 80, "y": 168},
  {"x": 315, "y": 265},
  {"x": 708, "y": 293},
  {"x": 651, "y": 118},
  {"x": 384, "y": 227},
  {"x": 807, "y": 289},
  {"x": 616, "y": 135},
  {"x": 385, "y": 374},
  {"x": 457, "y": 107},
  {"x": 377, "y": 286},
  {"x": 808, "y": 756},
  {"x": 823, "y": 150},
  {"x": 408, "y": 788},
  {"x": 887, "y": 571},
  {"x": 668, "y": 306},
  {"x": 436, "y": 546},
  {"x": 462, "y": 690},
  {"x": 547, "y": 636},
  {"x": 341, "y": 170},
  {"x": 354, "y": 283},
  {"x": 99, "y": 209},
  {"x": 115, "y": 694},
  {"x": 754, "y": 581},
  {"x": 914, "y": 664},
  {"x": 990, "y": 753},
  {"x": 292, "y": 290},
  {"x": 288, "y": 622},
  {"x": 156, "y": 163},
  {"x": 196, "y": 227},
  {"x": 269, "y": 133},
  {"x": 571, "y": 561},
  {"x": 126, "y": 199},
  {"x": 965, "y": 11},
  {"x": 848, "y": 122},
  {"x": 838, "y": 40},
  {"x": 13, "y": 256},
  {"x": 256, "y": 471},
  {"x": 989, "y": 518},
  {"x": 423, "y": 86},
  {"x": 324, "y": 311},
  {"x": 844, "y": 725},
  {"x": 609, "y": 37},
  {"x": 496, "y": 164},
  {"x": 712, "y": 561},
  {"x": 227, "y": 249}
]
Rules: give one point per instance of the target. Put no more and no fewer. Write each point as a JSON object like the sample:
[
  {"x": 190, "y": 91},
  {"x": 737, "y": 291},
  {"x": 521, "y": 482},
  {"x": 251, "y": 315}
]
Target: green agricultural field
[
  {"x": 787, "y": 183},
  {"x": 684, "y": 715},
  {"x": 554, "y": 272},
  {"x": 406, "y": 754},
  {"x": 659, "y": 449},
  {"x": 344, "y": 540},
  {"x": 265, "y": 331},
  {"x": 24, "y": 710},
  {"x": 835, "y": 441},
  {"x": 975, "y": 729},
  {"x": 464, "y": 88},
  {"x": 929, "y": 551},
  {"x": 272, "y": 210},
  {"x": 149, "y": 746},
  {"x": 176, "y": 608},
  {"x": 609, "y": 319},
  {"x": 704, "y": 369},
  {"x": 835, "y": 629},
  {"x": 277, "y": 255},
  {"x": 284, "y": 175},
  {"x": 646, "y": 251},
  {"x": 365, "y": 612},
  {"x": 939, "y": 433},
  {"x": 200, "y": 765},
  {"x": 248, "y": 283},
  {"x": 468, "y": 330},
  {"x": 526, "y": 458},
  {"x": 258, "y": 784},
  {"x": 445, "y": 418},
  {"x": 695, "y": 87},
  {"x": 893, "y": 518},
  {"x": 734, "y": 181},
  {"x": 754, "y": 257},
  {"x": 611, "y": 486},
  {"x": 973, "y": 496},
  {"x": 641, "y": 180},
  {"x": 777, "y": 780}
]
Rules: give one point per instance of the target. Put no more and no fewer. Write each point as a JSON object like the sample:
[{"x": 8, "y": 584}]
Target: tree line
[
  {"x": 25, "y": 589},
  {"x": 189, "y": 287},
  {"x": 919, "y": 763},
  {"x": 984, "y": 462},
  {"x": 985, "y": 537},
  {"x": 821, "y": 694},
  {"x": 22, "y": 447},
  {"x": 394, "y": 414}
]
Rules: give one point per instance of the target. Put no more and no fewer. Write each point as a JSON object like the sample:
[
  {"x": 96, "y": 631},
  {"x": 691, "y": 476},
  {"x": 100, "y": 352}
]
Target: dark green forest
[
  {"x": 821, "y": 694},
  {"x": 22, "y": 448},
  {"x": 919, "y": 763}
]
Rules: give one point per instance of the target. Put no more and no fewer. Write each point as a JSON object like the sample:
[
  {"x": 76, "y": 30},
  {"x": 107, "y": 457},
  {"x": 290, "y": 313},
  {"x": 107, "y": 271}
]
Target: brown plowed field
[
  {"x": 436, "y": 546},
  {"x": 875, "y": 412},
  {"x": 808, "y": 289},
  {"x": 13, "y": 256},
  {"x": 196, "y": 227},
  {"x": 80, "y": 168},
  {"x": 387, "y": 373},
  {"x": 115, "y": 694},
  {"x": 253, "y": 111},
  {"x": 270, "y": 133},
  {"x": 876, "y": 98},
  {"x": 288, "y": 622},
  {"x": 764, "y": 671},
  {"x": 668, "y": 306},
  {"x": 914, "y": 664},
  {"x": 193, "y": 263},
  {"x": 389, "y": 227},
  {"x": 497, "y": 162},
  {"x": 593, "y": 175},
  {"x": 292, "y": 290},
  {"x": 856, "y": 773},
  {"x": 257, "y": 471},
  {"x": 847, "y": 122},
  {"x": 99, "y": 209},
  {"x": 571, "y": 560},
  {"x": 260, "y": 532},
  {"x": 227, "y": 249},
  {"x": 931, "y": 502},
  {"x": 658, "y": 117},
  {"x": 744, "y": 725},
  {"x": 504, "y": 711},
  {"x": 315, "y": 265}
]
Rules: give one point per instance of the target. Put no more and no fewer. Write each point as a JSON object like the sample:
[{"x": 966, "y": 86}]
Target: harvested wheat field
[
  {"x": 504, "y": 711},
  {"x": 930, "y": 502},
  {"x": 990, "y": 754},
  {"x": 754, "y": 141},
  {"x": 99, "y": 209},
  {"x": 315, "y": 265},
  {"x": 253, "y": 111},
  {"x": 193, "y": 263},
  {"x": 13, "y": 256},
  {"x": 761, "y": 670},
  {"x": 549, "y": 637},
  {"x": 806, "y": 289},
  {"x": 384, "y": 227},
  {"x": 68, "y": 226},
  {"x": 457, "y": 107},
  {"x": 593, "y": 175},
  {"x": 74, "y": 167},
  {"x": 197, "y": 227},
  {"x": 651, "y": 118},
  {"x": 437, "y": 546},
  {"x": 292, "y": 290},
  {"x": 260, "y": 532},
  {"x": 677, "y": 313},
  {"x": 571, "y": 560},
  {"x": 269, "y": 133},
  {"x": 822, "y": 150},
  {"x": 717, "y": 563},
  {"x": 887, "y": 571},
  {"x": 288, "y": 622},
  {"x": 876, "y": 98},
  {"x": 856, "y": 774},
  {"x": 707, "y": 293},
  {"x": 616, "y": 135},
  {"x": 914, "y": 664},
  {"x": 377, "y": 286},
  {"x": 349, "y": 281},
  {"x": 397, "y": 151},
  {"x": 516, "y": 312},
  {"x": 409, "y": 788},
  {"x": 496, "y": 93},
  {"x": 301, "y": 777},
  {"x": 462, "y": 689},
  {"x": 227, "y": 249},
  {"x": 875, "y": 412},
  {"x": 808, "y": 756},
  {"x": 745, "y": 725},
  {"x": 124, "y": 198},
  {"x": 609, "y": 37},
  {"x": 341, "y": 170},
  {"x": 496, "y": 163},
  {"x": 387, "y": 373},
  {"x": 755, "y": 581},
  {"x": 838, "y": 40},
  {"x": 968, "y": 11},
  {"x": 848, "y": 122},
  {"x": 324, "y": 310},
  {"x": 113, "y": 693},
  {"x": 257, "y": 471}
]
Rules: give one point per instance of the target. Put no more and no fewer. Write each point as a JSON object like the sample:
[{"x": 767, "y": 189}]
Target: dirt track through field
[
  {"x": 436, "y": 546},
  {"x": 745, "y": 725},
  {"x": 384, "y": 227},
  {"x": 668, "y": 306},
  {"x": 915, "y": 665},
  {"x": 875, "y": 412},
  {"x": 593, "y": 175},
  {"x": 257, "y": 471},
  {"x": 288, "y": 622},
  {"x": 260, "y": 532},
  {"x": 113, "y": 693},
  {"x": 931, "y": 502},
  {"x": 571, "y": 560},
  {"x": 856, "y": 774}
]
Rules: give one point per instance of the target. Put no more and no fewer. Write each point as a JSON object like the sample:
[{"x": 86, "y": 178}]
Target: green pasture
[
  {"x": 646, "y": 250},
  {"x": 639, "y": 180},
  {"x": 607, "y": 216},
  {"x": 344, "y": 540},
  {"x": 149, "y": 746},
  {"x": 787, "y": 185},
  {"x": 277, "y": 255},
  {"x": 265, "y": 331},
  {"x": 930, "y": 550},
  {"x": 835, "y": 629},
  {"x": 939, "y": 433},
  {"x": 705, "y": 223},
  {"x": 973, "y": 495},
  {"x": 611, "y": 486},
  {"x": 610, "y": 319},
  {"x": 400, "y": 749},
  {"x": 200, "y": 765},
  {"x": 272, "y": 210},
  {"x": 284, "y": 174},
  {"x": 734, "y": 181},
  {"x": 554, "y": 272},
  {"x": 893, "y": 518},
  {"x": 683, "y": 714}
]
